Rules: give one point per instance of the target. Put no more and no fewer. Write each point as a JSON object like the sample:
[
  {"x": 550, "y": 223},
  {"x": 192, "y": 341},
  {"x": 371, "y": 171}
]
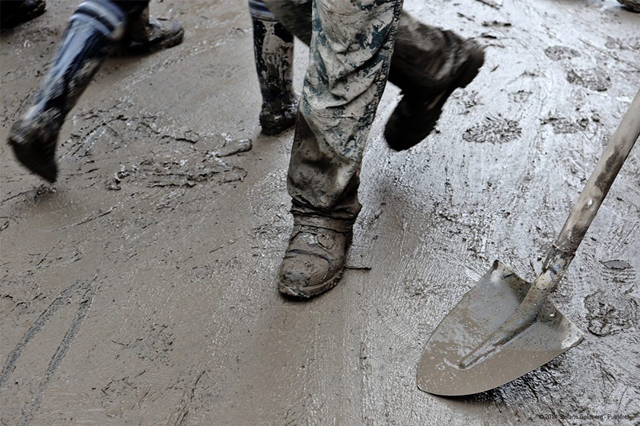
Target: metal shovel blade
[{"x": 481, "y": 311}]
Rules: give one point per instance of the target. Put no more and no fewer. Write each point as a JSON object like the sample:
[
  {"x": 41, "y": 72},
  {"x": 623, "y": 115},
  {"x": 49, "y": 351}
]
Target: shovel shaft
[{"x": 560, "y": 255}]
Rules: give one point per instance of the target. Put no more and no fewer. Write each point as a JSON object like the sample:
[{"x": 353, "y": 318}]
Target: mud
[{"x": 156, "y": 303}]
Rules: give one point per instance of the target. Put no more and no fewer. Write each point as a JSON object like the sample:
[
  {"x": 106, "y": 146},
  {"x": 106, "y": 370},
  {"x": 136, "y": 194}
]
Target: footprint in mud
[
  {"x": 178, "y": 173},
  {"x": 493, "y": 130},
  {"x": 609, "y": 313},
  {"x": 620, "y": 44},
  {"x": 563, "y": 125},
  {"x": 520, "y": 97},
  {"x": 619, "y": 272},
  {"x": 593, "y": 78},
  {"x": 558, "y": 53},
  {"x": 185, "y": 170}
]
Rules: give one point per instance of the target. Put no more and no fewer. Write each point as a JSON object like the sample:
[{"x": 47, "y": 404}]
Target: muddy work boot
[
  {"x": 314, "y": 260},
  {"x": 95, "y": 27},
  {"x": 16, "y": 12},
  {"x": 146, "y": 34},
  {"x": 273, "y": 49},
  {"x": 453, "y": 65},
  {"x": 632, "y": 5}
]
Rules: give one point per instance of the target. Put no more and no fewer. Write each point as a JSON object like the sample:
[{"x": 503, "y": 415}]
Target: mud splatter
[{"x": 493, "y": 130}]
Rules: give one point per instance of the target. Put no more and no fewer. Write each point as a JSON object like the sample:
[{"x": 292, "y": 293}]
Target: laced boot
[{"x": 314, "y": 261}]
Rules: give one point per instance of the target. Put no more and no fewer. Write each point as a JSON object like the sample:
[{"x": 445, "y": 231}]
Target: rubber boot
[
  {"x": 273, "y": 49},
  {"x": 146, "y": 34},
  {"x": 315, "y": 259},
  {"x": 16, "y": 12},
  {"x": 94, "y": 29}
]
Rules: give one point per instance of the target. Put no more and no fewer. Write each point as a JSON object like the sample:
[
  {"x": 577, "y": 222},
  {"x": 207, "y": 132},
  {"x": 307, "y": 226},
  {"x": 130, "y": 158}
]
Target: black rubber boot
[
  {"x": 94, "y": 29},
  {"x": 146, "y": 34},
  {"x": 273, "y": 49},
  {"x": 16, "y": 12}
]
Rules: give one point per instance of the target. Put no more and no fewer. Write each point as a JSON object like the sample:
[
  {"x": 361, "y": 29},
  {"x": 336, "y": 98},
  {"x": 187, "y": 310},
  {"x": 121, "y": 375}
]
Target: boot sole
[{"x": 472, "y": 68}]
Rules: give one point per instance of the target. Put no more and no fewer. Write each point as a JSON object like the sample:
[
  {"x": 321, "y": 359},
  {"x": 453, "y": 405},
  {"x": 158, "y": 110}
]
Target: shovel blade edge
[{"x": 481, "y": 311}]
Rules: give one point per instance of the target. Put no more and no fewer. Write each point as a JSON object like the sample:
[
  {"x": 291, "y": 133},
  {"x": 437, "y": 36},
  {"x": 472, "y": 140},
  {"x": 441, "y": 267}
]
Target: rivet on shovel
[{"x": 505, "y": 327}]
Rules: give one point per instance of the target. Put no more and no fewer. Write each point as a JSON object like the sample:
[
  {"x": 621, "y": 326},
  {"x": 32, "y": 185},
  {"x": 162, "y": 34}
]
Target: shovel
[{"x": 506, "y": 327}]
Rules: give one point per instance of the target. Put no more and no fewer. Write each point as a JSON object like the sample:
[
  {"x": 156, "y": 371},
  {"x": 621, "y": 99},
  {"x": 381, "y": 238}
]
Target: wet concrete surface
[{"x": 140, "y": 289}]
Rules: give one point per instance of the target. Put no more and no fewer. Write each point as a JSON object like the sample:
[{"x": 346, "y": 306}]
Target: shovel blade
[{"x": 481, "y": 311}]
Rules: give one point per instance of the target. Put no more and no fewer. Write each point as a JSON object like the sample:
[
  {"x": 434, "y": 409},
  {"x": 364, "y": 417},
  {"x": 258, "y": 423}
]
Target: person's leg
[
  {"x": 429, "y": 63},
  {"x": 273, "y": 50},
  {"x": 95, "y": 27},
  {"x": 16, "y": 12},
  {"x": 350, "y": 52},
  {"x": 93, "y": 31}
]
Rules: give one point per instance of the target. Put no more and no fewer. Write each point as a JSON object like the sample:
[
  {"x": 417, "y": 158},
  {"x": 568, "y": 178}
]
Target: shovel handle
[{"x": 561, "y": 253}]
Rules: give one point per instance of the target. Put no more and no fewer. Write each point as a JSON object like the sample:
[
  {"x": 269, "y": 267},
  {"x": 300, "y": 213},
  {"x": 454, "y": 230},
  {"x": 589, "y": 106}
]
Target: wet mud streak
[
  {"x": 81, "y": 314},
  {"x": 493, "y": 130},
  {"x": 34, "y": 330}
]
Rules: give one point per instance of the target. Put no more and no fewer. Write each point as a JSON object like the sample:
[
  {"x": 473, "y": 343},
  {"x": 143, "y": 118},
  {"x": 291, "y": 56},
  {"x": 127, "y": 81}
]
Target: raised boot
[
  {"x": 314, "y": 261},
  {"x": 146, "y": 34},
  {"x": 273, "y": 49},
  {"x": 95, "y": 27},
  {"x": 15, "y": 12},
  {"x": 428, "y": 65}
]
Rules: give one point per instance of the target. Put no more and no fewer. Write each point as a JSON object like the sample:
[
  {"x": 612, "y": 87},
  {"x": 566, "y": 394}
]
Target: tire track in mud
[{"x": 32, "y": 406}]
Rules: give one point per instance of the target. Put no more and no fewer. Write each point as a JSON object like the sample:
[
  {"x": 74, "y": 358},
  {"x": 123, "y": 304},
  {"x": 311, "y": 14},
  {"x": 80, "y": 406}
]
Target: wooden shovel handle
[{"x": 577, "y": 224}]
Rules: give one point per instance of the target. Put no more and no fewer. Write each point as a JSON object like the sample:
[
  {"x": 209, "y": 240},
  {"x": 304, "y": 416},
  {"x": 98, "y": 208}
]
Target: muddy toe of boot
[
  {"x": 632, "y": 5},
  {"x": 33, "y": 148},
  {"x": 417, "y": 114},
  {"x": 277, "y": 120},
  {"x": 21, "y": 12},
  {"x": 313, "y": 262},
  {"x": 156, "y": 34}
]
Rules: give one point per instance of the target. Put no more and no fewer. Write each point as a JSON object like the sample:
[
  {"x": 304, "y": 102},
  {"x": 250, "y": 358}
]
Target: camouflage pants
[{"x": 350, "y": 51}]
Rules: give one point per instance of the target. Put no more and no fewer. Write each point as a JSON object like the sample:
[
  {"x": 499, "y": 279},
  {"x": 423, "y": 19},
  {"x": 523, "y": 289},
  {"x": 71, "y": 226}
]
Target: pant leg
[
  {"x": 424, "y": 56},
  {"x": 349, "y": 58}
]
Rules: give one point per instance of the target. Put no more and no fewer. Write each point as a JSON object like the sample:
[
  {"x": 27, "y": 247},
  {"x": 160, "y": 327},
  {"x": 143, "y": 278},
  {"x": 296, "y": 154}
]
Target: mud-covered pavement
[{"x": 139, "y": 290}]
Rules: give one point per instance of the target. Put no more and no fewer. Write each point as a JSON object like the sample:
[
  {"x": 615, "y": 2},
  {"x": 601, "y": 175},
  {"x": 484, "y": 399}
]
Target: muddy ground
[{"x": 140, "y": 289}]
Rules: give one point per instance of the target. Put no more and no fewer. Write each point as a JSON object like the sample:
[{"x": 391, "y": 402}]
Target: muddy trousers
[{"x": 337, "y": 109}]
